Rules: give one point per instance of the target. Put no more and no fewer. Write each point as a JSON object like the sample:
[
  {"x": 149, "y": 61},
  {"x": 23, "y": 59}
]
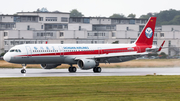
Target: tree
[
  {"x": 38, "y": 10},
  {"x": 166, "y": 17},
  {"x": 44, "y": 10},
  {"x": 115, "y": 42},
  {"x": 2, "y": 54},
  {"x": 132, "y": 15},
  {"x": 175, "y": 21},
  {"x": 75, "y": 13},
  {"x": 117, "y": 16},
  {"x": 147, "y": 16},
  {"x": 162, "y": 55}
]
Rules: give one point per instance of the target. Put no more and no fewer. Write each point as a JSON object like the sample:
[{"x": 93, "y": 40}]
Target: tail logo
[{"x": 149, "y": 32}]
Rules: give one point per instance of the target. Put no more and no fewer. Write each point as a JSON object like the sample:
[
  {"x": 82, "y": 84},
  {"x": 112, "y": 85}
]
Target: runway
[{"x": 105, "y": 72}]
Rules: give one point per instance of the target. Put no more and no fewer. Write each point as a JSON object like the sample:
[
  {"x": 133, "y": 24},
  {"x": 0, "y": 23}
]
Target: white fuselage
[{"x": 68, "y": 53}]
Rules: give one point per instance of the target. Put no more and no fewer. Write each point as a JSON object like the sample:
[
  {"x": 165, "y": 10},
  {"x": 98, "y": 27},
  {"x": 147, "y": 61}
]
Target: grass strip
[{"x": 115, "y": 88}]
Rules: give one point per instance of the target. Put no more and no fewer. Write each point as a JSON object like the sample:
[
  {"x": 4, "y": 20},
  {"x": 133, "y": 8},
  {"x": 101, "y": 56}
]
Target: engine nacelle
[
  {"x": 87, "y": 64},
  {"x": 49, "y": 66}
]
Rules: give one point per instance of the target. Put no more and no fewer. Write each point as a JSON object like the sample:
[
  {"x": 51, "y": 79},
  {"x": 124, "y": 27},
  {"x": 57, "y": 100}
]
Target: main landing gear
[
  {"x": 72, "y": 69},
  {"x": 97, "y": 69},
  {"x": 23, "y": 70}
]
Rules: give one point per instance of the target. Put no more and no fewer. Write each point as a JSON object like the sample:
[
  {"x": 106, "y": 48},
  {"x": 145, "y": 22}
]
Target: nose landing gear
[{"x": 23, "y": 70}]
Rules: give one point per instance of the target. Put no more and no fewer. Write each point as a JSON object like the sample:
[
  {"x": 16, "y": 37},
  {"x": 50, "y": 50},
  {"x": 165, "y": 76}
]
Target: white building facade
[{"x": 60, "y": 28}]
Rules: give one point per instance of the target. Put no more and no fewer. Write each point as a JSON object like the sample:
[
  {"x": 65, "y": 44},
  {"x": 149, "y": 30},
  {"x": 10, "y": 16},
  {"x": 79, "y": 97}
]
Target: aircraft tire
[
  {"x": 23, "y": 71},
  {"x": 97, "y": 69},
  {"x": 72, "y": 69}
]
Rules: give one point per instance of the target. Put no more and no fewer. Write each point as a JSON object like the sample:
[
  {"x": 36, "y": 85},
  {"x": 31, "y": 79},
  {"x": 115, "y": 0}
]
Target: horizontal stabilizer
[{"x": 161, "y": 46}]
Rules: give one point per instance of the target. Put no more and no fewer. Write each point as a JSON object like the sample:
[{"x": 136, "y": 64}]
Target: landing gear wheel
[
  {"x": 97, "y": 69},
  {"x": 23, "y": 71},
  {"x": 72, "y": 69}
]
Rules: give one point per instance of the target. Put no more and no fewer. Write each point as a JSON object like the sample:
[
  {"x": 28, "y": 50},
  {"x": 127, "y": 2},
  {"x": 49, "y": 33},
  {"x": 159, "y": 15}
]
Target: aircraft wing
[{"x": 133, "y": 54}]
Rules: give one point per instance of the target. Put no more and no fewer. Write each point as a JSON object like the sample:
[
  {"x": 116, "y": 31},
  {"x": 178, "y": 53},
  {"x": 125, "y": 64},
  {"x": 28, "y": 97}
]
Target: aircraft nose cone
[{"x": 6, "y": 57}]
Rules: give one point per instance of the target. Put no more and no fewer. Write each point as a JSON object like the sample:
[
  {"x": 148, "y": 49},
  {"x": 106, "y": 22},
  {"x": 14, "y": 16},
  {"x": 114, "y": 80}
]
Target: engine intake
[
  {"x": 49, "y": 66},
  {"x": 86, "y": 64}
]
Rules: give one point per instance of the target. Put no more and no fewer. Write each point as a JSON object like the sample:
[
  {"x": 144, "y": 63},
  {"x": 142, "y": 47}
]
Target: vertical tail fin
[{"x": 147, "y": 34}]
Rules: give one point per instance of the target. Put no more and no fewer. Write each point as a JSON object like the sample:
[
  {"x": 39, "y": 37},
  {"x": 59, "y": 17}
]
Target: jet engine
[
  {"x": 86, "y": 64},
  {"x": 49, "y": 66}
]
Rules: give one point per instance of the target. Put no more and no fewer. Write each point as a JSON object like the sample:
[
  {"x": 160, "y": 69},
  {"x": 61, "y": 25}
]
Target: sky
[{"x": 93, "y": 8}]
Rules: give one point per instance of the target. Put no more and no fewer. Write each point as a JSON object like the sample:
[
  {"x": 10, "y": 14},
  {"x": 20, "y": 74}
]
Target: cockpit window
[
  {"x": 12, "y": 50},
  {"x": 15, "y": 50}
]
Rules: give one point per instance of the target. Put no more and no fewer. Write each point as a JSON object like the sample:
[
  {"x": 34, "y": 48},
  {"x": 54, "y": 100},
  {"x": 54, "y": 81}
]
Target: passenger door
[{"x": 29, "y": 52}]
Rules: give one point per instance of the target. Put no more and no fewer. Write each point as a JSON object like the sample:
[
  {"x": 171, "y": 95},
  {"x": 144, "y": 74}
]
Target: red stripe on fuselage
[{"x": 93, "y": 52}]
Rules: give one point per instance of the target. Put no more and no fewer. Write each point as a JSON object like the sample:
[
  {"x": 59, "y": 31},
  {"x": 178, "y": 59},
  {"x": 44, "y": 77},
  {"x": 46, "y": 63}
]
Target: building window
[
  {"x": 40, "y": 18},
  {"x": 5, "y": 42},
  {"x": 127, "y": 28},
  {"x": 169, "y": 43},
  {"x": 42, "y": 26},
  {"x": 51, "y": 18},
  {"x": 172, "y": 29},
  {"x": 65, "y": 26},
  {"x": 155, "y": 34},
  {"x": 154, "y": 42},
  {"x": 5, "y": 34},
  {"x": 141, "y": 28},
  {"x": 161, "y": 35},
  {"x": 95, "y": 34},
  {"x": 108, "y": 27},
  {"x": 62, "y": 42},
  {"x": 132, "y": 42},
  {"x": 64, "y": 19},
  {"x": 60, "y": 27},
  {"x": 86, "y": 20},
  {"x": 113, "y": 34},
  {"x": 61, "y": 34},
  {"x": 28, "y": 27},
  {"x": 51, "y": 34},
  {"x": 132, "y": 22},
  {"x": 137, "y": 21},
  {"x": 79, "y": 27}
]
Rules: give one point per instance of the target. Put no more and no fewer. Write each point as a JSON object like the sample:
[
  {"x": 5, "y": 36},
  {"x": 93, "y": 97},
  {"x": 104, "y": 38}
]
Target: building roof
[
  {"x": 46, "y": 12},
  {"x": 5, "y": 15},
  {"x": 27, "y": 15},
  {"x": 112, "y": 18}
]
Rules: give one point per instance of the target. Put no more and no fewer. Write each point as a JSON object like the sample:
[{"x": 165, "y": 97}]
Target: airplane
[{"x": 86, "y": 56}]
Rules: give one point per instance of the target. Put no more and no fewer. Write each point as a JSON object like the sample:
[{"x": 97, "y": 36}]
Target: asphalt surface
[{"x": 105, "y": 72}]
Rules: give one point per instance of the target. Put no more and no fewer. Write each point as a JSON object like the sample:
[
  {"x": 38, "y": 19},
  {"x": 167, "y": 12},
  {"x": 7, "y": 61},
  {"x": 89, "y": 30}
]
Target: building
[{"x": 60, "y": 28}]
